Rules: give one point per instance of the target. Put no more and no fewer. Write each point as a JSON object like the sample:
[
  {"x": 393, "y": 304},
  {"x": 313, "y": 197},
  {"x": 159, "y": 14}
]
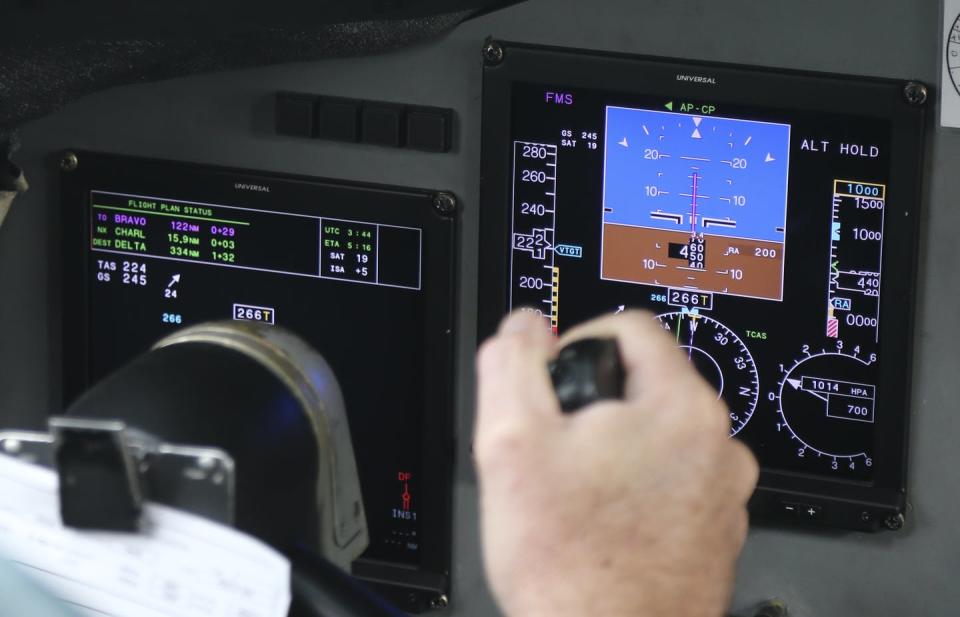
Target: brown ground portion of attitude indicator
[{"x": 625, "y": 248}]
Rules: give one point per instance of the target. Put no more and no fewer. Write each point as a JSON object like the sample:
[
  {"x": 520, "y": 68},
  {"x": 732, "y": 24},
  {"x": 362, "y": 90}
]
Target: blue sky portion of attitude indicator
[{"x": 701, "y": 174}]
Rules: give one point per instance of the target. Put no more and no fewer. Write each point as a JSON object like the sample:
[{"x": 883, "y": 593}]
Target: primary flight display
[{"x": 765, "y": 238}]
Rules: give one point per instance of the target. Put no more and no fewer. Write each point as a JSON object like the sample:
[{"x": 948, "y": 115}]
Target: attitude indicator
[{"x": 695, "y": 202}]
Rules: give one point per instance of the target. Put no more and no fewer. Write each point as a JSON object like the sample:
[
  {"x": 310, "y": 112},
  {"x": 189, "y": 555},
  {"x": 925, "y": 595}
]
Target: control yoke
[{"x": 240, "y": 423}]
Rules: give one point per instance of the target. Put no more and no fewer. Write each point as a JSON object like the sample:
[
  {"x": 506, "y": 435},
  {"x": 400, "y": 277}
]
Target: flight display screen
[
  {"x": 758, "y": 236},
  {"x": 362, "y": 273},
  {"x": 687, "y": 165}
]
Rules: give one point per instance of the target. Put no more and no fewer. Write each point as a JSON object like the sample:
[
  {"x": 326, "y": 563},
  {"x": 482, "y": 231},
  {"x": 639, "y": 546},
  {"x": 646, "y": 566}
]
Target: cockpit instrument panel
[
  {"x": 767, "y": 219},
  {"x": 363, "y": 273}
]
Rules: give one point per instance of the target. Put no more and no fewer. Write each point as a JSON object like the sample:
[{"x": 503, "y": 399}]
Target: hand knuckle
[
  {"x": 745, "y": 464},
  {"x": 643, "y": 326},
  {"x": 495, "y": 351},
  {"x": 742, "y": 528},
  {"x": 501, "y": 444},
  {"x": 725, "y": 424},
  {"x": 711, "y": 415}
]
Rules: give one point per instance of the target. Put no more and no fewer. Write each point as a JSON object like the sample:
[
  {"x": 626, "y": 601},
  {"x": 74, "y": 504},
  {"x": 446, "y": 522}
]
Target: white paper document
[
  {"x": 180, "y": 565},
  {"x": 950, "y": 86}
]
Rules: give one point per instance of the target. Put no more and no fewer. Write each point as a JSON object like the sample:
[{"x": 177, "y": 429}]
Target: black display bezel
[
  {"x": 413, "y": 588},
  {"x": 844, "y": 503}
]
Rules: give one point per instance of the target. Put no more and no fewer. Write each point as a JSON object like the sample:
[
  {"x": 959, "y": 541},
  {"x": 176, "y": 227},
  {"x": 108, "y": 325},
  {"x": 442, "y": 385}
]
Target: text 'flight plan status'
[{"x": 695, "y": 202}]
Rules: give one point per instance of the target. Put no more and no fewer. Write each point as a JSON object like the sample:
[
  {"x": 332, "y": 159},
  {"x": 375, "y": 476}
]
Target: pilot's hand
[{"x": 626, "y": 508}]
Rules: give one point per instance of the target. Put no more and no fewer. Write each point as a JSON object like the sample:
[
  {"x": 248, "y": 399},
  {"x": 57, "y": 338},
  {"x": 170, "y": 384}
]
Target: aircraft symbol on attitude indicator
[{"x": 695, "y": 202}]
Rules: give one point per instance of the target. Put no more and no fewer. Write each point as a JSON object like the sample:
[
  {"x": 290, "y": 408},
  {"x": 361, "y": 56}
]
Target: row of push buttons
[
  {"x": 802, "y": 510},
  {"x": 371, "y": 122}
]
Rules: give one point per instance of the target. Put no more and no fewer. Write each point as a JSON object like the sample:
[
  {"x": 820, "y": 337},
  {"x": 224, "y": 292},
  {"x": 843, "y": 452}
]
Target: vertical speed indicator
[{"x": 826, "y": 404}]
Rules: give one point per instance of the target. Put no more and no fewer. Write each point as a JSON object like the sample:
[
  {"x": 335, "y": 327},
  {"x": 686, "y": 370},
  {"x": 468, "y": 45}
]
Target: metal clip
[{"x": 100, "y": 486}]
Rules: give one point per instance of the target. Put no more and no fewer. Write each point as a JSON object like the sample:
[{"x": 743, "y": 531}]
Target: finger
[
  {"x": 745, "y": 470},
  {"x": 512, "y": 376},
  {"x": 525, "y": 323},
  {"x": 650, "y": 357}
]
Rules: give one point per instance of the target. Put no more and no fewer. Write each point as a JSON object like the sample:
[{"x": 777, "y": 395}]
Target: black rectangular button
[
  {"x": 381, "y": 124},
  {"x": 429, "y": 129},
  {"x": 294, "y": 114},
  {"x": 338, "y": 119}
]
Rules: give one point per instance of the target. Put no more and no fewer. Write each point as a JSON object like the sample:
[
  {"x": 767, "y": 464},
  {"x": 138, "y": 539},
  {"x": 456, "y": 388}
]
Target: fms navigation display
[
  {"x": 362, "y": 273},
  {"x": 768, "y": 220}
]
